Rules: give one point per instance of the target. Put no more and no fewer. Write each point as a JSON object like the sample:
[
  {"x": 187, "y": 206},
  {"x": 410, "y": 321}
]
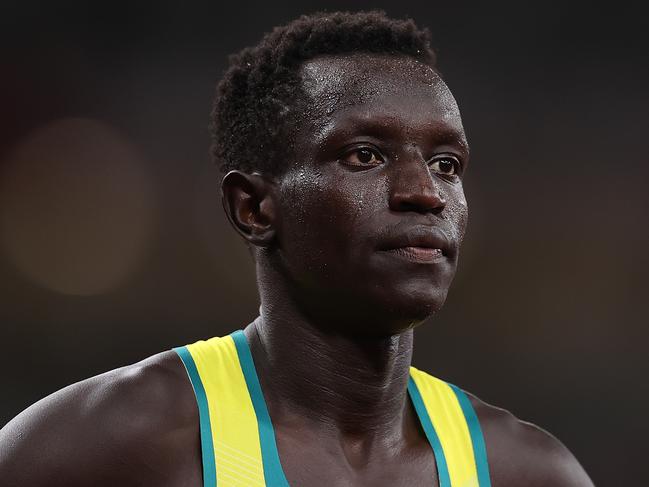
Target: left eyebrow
[{"x": 445, "y": 134}]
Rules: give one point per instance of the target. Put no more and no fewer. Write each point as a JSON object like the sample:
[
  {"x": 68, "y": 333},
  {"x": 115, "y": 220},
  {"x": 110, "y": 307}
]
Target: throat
[{"x": 351, "y": 388}]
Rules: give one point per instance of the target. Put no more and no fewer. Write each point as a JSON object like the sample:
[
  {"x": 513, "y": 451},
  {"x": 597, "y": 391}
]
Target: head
[{"x": 343, "y": 153}]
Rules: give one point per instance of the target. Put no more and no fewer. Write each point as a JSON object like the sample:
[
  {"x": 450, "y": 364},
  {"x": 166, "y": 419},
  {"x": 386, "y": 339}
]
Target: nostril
[{"x": 420, "y": 203}]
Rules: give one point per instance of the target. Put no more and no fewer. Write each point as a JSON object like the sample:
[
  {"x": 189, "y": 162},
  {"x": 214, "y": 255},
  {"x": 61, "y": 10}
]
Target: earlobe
[{"x": 248, "y": 203}]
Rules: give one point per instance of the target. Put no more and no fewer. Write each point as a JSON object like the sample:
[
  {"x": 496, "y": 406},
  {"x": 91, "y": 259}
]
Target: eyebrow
[{"x": 380, "y": 126}]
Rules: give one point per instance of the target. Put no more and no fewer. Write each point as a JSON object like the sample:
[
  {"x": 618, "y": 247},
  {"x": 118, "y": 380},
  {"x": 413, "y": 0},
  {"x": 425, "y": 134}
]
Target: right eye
[{"x": 362, "y": 156}]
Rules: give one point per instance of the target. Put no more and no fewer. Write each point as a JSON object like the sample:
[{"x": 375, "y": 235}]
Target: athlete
[{"x": 343, "y": 155}]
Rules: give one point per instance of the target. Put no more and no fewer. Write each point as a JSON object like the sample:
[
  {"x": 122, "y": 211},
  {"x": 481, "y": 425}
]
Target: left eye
[{"x": 445, "y": 165}]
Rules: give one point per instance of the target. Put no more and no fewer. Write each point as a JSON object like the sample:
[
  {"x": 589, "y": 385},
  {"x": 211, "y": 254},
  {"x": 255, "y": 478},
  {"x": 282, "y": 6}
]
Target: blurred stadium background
[{"x": 113, "y": 245}]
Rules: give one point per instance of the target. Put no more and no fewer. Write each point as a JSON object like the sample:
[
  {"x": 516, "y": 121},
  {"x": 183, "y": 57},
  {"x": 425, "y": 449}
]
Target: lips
[
  {"x": 420, "y": 242},
  {"x": 419, "y": 254}
]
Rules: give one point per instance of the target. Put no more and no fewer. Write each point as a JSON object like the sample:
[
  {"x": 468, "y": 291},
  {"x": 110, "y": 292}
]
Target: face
[{"x": 372, "y": 211}]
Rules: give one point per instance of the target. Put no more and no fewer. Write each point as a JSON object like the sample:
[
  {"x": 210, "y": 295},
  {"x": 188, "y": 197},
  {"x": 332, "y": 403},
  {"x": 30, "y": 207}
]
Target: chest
[
  {"x": 312, "y": 463},
  {"x": 309, "y": 462}
]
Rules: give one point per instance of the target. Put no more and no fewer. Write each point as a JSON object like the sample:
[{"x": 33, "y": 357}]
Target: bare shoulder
[
  {"x": 521, "y": 453},
  {"x": 130, "y": 426}
]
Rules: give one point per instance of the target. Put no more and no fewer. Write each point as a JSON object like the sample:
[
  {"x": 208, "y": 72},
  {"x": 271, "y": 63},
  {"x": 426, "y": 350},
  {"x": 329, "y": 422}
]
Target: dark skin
[{"x": 379, "y": 164}]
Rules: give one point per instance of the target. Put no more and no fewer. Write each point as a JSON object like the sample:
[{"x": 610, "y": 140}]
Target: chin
[
  {"x": 418, "y": 306},
  {"x": 405, "y": 309}
]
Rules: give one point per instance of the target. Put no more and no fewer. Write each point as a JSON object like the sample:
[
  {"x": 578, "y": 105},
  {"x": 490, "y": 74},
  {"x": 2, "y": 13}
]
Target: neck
[{"x": 354, "y": 386}]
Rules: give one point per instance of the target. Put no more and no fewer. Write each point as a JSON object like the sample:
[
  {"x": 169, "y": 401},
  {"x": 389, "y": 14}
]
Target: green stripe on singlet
[
  {"x": 207, "y": 446},
  {"x": 431, "y": 434},
  {"x": 273, "y": 472},
  {"x": 477, "y": 438}
]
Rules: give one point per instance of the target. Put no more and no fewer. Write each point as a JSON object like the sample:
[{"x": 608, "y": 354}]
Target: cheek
[
  {"x": 308, "y": 215},
  {"x": 323, "y": 219},
  {"x": 302, "y": 197},
  {"x": 457, "y": 212}
]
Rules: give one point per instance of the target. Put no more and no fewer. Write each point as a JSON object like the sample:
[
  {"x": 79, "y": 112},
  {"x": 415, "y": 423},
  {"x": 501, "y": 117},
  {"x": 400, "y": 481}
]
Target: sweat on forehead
[
  {"x": 393, "y": 86},
  {"x": 335, "y": 81}
]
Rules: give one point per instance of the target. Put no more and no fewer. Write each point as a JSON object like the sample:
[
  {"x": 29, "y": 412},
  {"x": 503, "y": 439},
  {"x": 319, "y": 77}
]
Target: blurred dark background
[{"x": 113, "y": 245}]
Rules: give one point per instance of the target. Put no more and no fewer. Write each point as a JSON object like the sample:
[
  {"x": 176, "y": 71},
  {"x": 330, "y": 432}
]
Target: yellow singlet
[{"x": 237, "y": 437}]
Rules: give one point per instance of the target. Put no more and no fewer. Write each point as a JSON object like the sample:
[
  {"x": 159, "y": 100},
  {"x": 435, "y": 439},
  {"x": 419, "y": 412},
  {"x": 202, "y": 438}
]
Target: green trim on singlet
[
  {"x": 477, "y": 438},
  {"x": 273, "y": 472},
  {"x": 431, "y": 434},
  {"x": 207, "y": 446}
]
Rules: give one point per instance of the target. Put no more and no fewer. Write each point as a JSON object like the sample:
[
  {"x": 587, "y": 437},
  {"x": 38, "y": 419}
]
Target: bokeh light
[{"x": 77, "y": 207}]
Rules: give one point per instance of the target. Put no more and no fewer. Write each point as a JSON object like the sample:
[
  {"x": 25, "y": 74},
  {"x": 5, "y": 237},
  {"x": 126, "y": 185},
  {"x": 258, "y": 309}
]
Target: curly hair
[{"x": 257, "y": 104}]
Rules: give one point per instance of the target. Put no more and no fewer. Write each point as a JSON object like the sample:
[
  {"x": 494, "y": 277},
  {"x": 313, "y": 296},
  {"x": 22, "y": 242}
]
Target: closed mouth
[
  {"x": 420, "y": 242},
  {"x": 419, "y": 254}
]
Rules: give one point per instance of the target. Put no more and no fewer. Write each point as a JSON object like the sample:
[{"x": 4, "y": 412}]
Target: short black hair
[{"x": 256, "y": 107}]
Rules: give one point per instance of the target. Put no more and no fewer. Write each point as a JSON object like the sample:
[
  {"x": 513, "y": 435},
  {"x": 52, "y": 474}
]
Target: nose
[{"x": 414, "y": 188}]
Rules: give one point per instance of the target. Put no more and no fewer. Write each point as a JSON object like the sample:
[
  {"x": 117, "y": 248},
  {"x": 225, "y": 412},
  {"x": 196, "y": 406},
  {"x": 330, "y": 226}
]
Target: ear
[{"x": 249, "y": 205}]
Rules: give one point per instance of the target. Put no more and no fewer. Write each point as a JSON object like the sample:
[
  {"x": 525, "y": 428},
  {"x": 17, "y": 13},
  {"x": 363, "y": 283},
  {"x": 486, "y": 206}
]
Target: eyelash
[
  {"x": 456, "y": 165},
  {"x": 377, "y": 155}
]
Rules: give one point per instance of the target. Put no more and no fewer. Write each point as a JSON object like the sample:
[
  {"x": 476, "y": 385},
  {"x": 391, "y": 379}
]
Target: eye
[
  {"x": 362, "y": 156},
  {"x": 446, "y": 166}
]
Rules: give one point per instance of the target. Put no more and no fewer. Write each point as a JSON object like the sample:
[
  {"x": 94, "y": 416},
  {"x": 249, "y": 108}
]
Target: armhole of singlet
[
  {"x": 477, "y": 438},
  {"x": 207, "y": 446}
]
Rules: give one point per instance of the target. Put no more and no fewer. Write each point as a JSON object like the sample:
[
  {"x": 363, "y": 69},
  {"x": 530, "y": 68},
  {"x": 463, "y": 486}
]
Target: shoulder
[
  {"x": 521, "y": 453},
  {"x": 118, "y": 428}
]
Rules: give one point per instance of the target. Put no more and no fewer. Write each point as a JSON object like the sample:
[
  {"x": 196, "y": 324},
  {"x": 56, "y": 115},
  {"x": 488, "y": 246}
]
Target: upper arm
[
  {"x": 114, "y": 429},
  {"x": 521, "y": 453}
]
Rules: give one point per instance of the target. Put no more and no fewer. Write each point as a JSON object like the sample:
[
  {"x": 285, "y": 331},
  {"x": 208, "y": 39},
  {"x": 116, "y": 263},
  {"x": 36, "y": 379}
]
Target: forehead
[{"x": 398, "y": 89}]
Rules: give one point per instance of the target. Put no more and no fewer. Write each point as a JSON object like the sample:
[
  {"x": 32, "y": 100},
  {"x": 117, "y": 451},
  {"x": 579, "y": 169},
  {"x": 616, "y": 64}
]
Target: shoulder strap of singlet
[
  {"x": 453, "y": 430},
  {"x": 237, "y": 438}
]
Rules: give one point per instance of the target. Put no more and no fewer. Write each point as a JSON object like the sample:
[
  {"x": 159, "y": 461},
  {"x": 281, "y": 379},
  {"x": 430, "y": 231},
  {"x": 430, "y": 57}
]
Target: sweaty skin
[{"x": 379, "y": 158}]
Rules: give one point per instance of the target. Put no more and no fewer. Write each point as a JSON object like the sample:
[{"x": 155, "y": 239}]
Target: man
[{"x": 344, "y": 154}]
